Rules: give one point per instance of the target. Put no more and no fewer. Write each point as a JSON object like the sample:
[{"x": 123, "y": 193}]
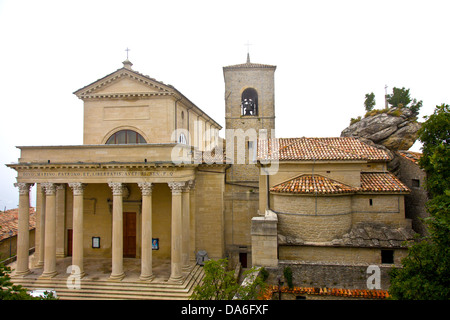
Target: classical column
[
  {"x": 186, "y": 224},
  {"x": 23, "y": 236},
  {"x": 117, "y": 232},
  {"x": 40, "y": 227},
  {"x": 60, "y": 219},
  {"x": 50, "y": 231},
  {"x": 146, "y": 245},
  {"x": 77, "y": 235},
  {"x": 176, "y": 250}
]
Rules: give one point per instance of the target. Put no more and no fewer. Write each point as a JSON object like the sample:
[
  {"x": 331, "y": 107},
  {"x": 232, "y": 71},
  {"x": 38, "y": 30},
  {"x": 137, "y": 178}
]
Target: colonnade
[{"x": 180, "y": 214}]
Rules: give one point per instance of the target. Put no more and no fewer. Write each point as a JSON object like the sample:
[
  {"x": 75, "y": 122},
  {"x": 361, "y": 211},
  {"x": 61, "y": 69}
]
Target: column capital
[
  {"x": 117, "y": 188},
  {"x": 146, "y": 188},
  {"x": 24, "y": 188},
  {"x": 176, "y": 186},
  {"x": 77, "y": 188},
  {"x": 50, "y": 188},
  {"x": 60, "y": 186},
  {"x": 190, "y": 185}
]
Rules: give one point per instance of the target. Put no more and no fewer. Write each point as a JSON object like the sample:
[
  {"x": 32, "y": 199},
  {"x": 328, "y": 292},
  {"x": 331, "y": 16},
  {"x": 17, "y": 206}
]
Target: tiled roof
[
  {"x": 302, "y": 149},
  {"x": 317, "y": 184},
  {"x": 336, "y": 292},
  {"x": 249, "y": 64},
  {"x": 9, "y": 222},
  {"x": 410, "y": 155},
  {"x": 377, "y": 235},
  {"x": 309, "y": 184},
  {"x": 381, "y": 182}
]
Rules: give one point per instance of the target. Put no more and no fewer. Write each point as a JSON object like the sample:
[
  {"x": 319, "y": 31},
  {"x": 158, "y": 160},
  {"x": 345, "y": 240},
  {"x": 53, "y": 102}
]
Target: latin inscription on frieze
[{"x": 96, "y": 174}]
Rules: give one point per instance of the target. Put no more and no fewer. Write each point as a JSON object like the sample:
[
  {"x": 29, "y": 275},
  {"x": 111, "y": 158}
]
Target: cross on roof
[
  {"x": 127, "y": 50},
  {"x": 248, "y": 44}
]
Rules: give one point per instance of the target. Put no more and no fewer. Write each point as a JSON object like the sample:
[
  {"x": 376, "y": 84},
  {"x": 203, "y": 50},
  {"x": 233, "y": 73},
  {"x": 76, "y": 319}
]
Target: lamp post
[{"x": 280, "y": 283}]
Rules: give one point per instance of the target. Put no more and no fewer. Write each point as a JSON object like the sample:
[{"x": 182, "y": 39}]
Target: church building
[{"x": 154, "y": 181}]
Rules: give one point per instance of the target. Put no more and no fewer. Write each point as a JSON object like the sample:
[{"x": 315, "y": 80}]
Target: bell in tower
[
  {"x": 250, "y": 97},
  {"x": 249, "y": 104}
]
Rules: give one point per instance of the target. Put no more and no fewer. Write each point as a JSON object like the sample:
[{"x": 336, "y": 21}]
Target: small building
[
  {"x": 9, "y": 221},
  {"x": 329, "y": 201},
  {"x": 414, "y": 177}
]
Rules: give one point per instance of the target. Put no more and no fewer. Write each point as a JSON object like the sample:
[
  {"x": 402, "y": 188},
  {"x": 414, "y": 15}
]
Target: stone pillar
[
  {"x": 186, "y": 219},
  {"x": 117, "y": 232},
  {"x": 60, "y": 219},
  {"x": 77, "y": 240},
  {"x": 177, "y": 239},
  {"x": 40, "y": 227},
  {"x": 265, "y": 240},
  {"x": 50, "y": 231},
  {"x": 146, "y": 235},
  {"x": 23, "y": 235}
]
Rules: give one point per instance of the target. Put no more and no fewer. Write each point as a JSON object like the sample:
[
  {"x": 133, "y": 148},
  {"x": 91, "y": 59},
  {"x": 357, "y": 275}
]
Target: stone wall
[
  {"x": 331, "y": 275},
  {"x": 264, "y": 240},
  {"x": 414, "y": 177}
]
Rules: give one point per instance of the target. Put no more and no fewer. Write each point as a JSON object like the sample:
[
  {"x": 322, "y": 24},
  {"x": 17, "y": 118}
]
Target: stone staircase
[{"x": 117, "y": 290}]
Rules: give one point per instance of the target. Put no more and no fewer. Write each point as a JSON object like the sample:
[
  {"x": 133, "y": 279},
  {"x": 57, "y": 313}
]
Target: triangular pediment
[{"x": 124, "y": 82}]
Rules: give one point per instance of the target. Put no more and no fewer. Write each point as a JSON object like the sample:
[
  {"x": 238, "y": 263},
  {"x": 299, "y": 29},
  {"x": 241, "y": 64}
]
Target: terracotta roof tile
[
  {"x": 410, "y": 155},
  {"x": 9, "y": 222},
  {"x": 381, "y": 182},
  {"x": 317, "y": 184},
  {"x": 309, "y": 184},
  {"x": 351, "y": 293},
  {"x": 302, "y": 149}
]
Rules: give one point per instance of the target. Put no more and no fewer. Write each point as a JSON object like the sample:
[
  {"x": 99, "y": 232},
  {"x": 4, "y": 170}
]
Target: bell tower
[
  {"x": 249, "y": 114},
  {"x": 250, "y": 96}
]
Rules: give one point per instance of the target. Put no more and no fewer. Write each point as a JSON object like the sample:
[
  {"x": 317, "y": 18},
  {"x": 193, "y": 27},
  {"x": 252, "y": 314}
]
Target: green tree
[
  {"x": 10, "y": 291},
  {"x": 369, "y": 102},
  {"x": 400, "y": 98},
  {"x": 426, "y": 269},
  {"x": 219, "y": 283}
]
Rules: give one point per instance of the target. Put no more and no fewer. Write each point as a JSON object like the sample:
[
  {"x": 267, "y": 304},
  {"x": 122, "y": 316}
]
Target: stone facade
[
  {"x": 142, "y": 187},
  {"x": 242, "y": 132},
  {"x": 415, "y": 178},
  {"x": 129, "y": 190}
]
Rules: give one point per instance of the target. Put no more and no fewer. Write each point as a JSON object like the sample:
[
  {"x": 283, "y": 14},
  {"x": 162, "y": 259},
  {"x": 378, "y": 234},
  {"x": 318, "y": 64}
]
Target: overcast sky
[{"x": 328, "y": 54}]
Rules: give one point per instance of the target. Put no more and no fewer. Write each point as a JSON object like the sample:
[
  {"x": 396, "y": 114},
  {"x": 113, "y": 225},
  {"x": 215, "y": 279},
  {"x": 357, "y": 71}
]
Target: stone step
[{"x": 103, "y": 289}]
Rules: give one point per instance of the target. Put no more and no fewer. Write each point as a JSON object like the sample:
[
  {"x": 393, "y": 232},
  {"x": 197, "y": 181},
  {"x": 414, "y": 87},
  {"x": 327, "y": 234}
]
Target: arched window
[
  {"x": 249, "y": 102},
  {"x": 126, "y": 137}
]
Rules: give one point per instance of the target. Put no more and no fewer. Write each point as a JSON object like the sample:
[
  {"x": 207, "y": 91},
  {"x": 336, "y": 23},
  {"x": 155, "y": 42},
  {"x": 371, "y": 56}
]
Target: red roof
[
  {"x": 317, "y": 184},
  {"x": 381, "y": 182},
  {"x": 9, "y": 222},
  {"x": 303, "y": 149},
  {"x": 309, "y": 184}
]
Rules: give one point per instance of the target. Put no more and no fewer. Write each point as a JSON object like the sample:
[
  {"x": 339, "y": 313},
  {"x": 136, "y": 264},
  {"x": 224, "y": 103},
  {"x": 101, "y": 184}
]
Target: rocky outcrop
[{"x": 395, "y": 129}]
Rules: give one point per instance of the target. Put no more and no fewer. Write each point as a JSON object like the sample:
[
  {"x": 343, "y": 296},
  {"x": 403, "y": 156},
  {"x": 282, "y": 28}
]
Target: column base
[
  {"x": 39, "y": 264},
  {"x": 188, "y": 267},
  {"x": 177, "y": 279},
  {"x": 117, "y": 277},
  {"x": 21, "y": 274},
  {"x": 48, "y": 275},
  {"x": 147, "y": 278}
]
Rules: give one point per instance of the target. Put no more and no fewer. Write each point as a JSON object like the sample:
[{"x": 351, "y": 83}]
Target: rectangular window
[
  {"x": 370, "y": 202},
  {"x": 387, "y": 256},
  {"x": 415, "y": 183}
]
